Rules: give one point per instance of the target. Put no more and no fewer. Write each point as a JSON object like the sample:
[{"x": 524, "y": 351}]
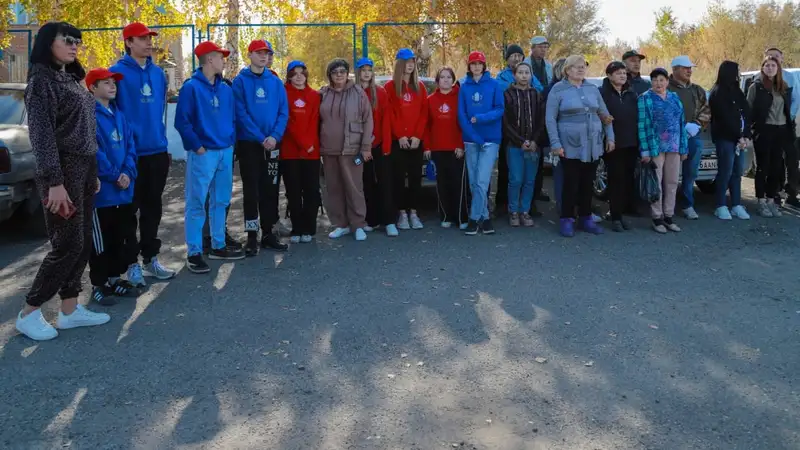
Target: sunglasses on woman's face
[
  {"x": 69, "y": 40},
  {"x": 339, "y": 72}
]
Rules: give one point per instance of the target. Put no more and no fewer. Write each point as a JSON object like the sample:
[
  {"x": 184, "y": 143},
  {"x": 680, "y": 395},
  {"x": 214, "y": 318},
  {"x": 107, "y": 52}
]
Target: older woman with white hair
[{"x": 579, "y": 138}]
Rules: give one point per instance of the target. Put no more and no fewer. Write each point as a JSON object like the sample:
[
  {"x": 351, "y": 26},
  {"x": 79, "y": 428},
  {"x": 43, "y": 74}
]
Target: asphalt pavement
[{"x": 432, "y": 340}]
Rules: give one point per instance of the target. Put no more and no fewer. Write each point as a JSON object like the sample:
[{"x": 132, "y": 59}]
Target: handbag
[{"x": 647, "y": 184}]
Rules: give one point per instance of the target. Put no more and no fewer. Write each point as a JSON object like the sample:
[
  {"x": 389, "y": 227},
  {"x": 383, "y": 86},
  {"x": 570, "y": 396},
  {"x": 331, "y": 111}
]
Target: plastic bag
[{"x": 647, "y": 184}]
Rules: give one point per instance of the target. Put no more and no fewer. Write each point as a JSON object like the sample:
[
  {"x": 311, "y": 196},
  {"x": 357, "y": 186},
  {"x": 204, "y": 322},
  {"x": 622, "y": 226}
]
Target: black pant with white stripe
[
  {"x": 452, "y": 187},
  {"x": 114, "y": 245}
]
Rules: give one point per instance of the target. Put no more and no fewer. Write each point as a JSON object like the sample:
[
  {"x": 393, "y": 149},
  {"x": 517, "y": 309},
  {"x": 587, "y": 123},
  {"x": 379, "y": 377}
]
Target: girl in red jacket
[
  {"x": 378, "y": 170},
  {"x": 300, "y": 153},
  {"x": 408, "y": 99},
  {"x": 445, "y": 145}
]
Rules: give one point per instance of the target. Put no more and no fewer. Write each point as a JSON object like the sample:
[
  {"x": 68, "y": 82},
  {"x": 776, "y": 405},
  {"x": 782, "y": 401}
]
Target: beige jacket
[{"x": 345, "y": 121}]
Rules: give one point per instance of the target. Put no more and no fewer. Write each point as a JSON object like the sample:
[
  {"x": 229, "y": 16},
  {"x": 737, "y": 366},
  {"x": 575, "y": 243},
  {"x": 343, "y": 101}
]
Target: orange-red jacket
[
  {"x": 408, "y": 110},
  {"x": 302, "y": 131},
  {"x": 382, "y": 129},
  {"x": 443, "y": 132}
]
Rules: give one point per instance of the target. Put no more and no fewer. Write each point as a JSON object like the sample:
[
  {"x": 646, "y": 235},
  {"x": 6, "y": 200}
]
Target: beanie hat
[{"x": 514, "y": 49}]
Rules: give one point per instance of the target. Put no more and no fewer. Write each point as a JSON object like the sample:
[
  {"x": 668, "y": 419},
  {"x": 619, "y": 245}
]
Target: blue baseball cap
[
  {"x": 405, "y": 54},
  {"x": 364, "y": 62},
  {"x": 294, "y": 64}
]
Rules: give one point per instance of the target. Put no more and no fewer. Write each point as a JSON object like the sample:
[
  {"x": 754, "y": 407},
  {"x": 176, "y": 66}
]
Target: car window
[{"x": 12, "y": 106}]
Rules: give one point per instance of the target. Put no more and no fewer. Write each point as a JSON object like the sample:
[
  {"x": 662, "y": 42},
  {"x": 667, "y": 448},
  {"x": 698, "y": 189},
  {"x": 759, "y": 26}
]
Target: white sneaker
[
  {"x": 391, "y": 230},
  {"x": 81, "y": 317},
  {"x": 156, "y": 270},
  {"x": 463, "y": 226},
  {"x": 416, "y": 224},
  {"x": 402, "y": 222},
  {"x": 369, "y": 229},
  {"x": 361, "y": 235},
  {"x": 294, "y": 239},
  {"x": 339, "y": 232},
  {"x": 690, "y": 213},
  {"x": 723, "y": 213},
  {"x": 135, "y": 275},
  {"x": 774, "y": 209},
  {"x": 447, "y": 224},
  {"x": 306, "y": 238},
  {"x": 763, "y": 209},
  {"x": 739, "y": 212},
  {"x": 35, "y": 327}
]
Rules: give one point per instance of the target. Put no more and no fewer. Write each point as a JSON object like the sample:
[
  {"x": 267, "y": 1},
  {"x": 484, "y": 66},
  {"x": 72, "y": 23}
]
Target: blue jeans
[
  {"x": 522, "y": 166},
  {"x": 207, "y": 175},
  {"x": 691, "y": 166},
  {"x": 729, "y": 173},
  {"x": 480, "y": 164}
]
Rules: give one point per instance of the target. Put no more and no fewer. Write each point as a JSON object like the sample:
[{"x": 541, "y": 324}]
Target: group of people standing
[{"x": 102, "y": 151}]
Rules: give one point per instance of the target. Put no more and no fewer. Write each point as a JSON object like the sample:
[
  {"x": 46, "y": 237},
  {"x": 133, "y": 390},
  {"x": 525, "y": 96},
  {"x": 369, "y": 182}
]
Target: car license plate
[{"x": 708, "y": 164}]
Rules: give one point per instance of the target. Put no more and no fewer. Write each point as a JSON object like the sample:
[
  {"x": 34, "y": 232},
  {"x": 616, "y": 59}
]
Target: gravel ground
[{"x": 433, "y": 340}]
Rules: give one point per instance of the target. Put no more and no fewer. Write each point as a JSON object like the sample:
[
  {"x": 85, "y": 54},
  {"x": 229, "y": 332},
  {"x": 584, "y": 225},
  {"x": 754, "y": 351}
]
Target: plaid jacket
[{"x": 648, "y": 140}]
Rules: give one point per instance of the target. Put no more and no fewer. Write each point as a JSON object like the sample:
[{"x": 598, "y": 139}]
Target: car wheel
[
  {"x": 706, "y": 187},
  {"x": 601, "y": 181}
]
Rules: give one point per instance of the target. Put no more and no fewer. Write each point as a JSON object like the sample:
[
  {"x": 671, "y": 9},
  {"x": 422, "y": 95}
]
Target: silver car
[{"x": 17, "y": 162}]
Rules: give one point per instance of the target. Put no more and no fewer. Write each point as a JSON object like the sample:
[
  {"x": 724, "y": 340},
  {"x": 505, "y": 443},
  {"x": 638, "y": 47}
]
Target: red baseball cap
[
  {"x": 101, "y": 73},
  {"x": 258, "y": 45},
  {"x": 207, "y": 47},
  {"x": 476, "y": 56},
  {"x": 137, "y": 29}
]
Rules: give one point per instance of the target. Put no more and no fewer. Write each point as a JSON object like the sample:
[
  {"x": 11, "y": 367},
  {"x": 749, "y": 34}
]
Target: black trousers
[
  {"x": 113, "y": 242},
  {"x": 501, "y": 197},
  {"x": 770, "y": 144},
  {"x": 301, "y": 178},
  {"x": 378, "y": 189},
  {"x": 148, "y": 191},
  {"x": 791, "y": 151},
  {"x": 260, "y": 186},
  {"x": 71, "y": 239},
  {"x": 452, "y": 187},
  {"x": 620, "y": 166},
  {"x": 406, "y": 163},
  {"x": 537, "y": 187},
  {"x": 578, "y": 180}
]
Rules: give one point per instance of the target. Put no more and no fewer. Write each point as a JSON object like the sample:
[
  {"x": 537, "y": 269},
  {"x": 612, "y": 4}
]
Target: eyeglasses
[
  {"x": 339, "y": 72},
  {"x": 69, "y": 40}
]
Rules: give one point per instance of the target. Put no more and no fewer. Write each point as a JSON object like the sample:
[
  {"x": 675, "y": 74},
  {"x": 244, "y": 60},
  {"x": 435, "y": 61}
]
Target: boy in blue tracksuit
[
  {"x": 262, "y": 112},
  {"x": 480, "y": 115},
  {"x": 114, "y": 219},
  {"x": 142, "y": 97},
  {"x": 205, "y": 120}
]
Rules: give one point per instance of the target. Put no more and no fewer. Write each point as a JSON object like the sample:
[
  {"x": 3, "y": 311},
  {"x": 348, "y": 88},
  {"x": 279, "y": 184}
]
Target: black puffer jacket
[
  {"x": 763, "y": 103},
  {"x": 523, "y": 118},
  {"x": 624, "y": 107},
  {"x": 61, "y": 120}
]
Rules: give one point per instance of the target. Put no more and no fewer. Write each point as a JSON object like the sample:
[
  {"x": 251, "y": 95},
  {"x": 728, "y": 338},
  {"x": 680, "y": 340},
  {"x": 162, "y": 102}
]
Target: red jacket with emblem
[
  {"x": 302, "y": 131},
  {"x": 408, "y": 110},
  {"x": 382, "y": 129},
  {"x": 443, "y": 132}
]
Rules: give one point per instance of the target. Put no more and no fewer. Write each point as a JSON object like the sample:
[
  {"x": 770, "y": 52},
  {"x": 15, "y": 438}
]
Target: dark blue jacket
[
  {"x": 116, "y": 154},
  {"x": 262, "y": 109},
  {"x": 482, "y": 100},
  {"x": 205, "y": 114},
  {"x": 142, "y": 96}
]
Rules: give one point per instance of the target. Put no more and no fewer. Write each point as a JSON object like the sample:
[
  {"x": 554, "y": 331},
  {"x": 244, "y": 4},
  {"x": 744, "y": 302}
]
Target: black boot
[
  {"x": 230, "y": 242},
  {"x": 270, "y": 240},
  {"x": 251, "y": 248}
]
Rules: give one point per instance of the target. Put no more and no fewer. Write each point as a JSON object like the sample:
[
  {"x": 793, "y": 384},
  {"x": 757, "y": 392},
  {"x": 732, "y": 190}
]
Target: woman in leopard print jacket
[{"x": 61, "y": 124}]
